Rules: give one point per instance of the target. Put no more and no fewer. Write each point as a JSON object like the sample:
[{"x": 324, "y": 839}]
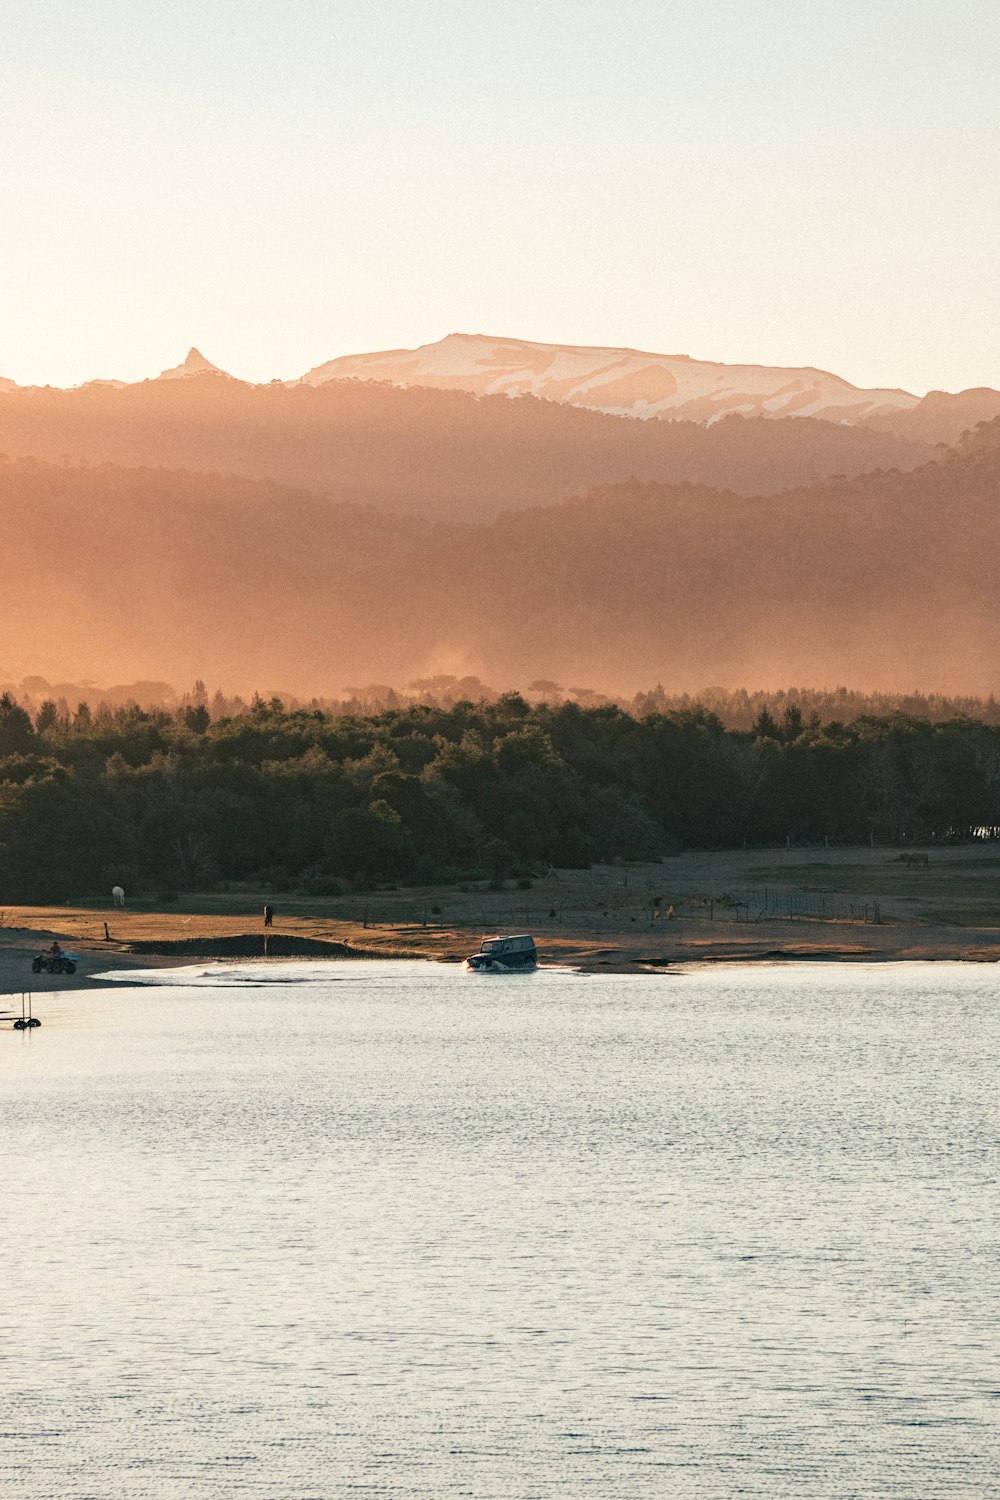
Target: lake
[{"x": 306, "y": 1231}]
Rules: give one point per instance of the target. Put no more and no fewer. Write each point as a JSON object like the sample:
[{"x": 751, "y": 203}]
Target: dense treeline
[
  {"x": 738, "y": 708},
  {"x": 322, "y": 803}
]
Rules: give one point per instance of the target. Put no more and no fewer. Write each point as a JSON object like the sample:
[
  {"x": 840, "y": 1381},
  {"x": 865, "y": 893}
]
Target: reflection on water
[{"x": 397, "y": 1230}]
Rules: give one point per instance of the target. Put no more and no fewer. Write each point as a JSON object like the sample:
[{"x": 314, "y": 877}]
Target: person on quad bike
[{"x": 55, "y": 950}]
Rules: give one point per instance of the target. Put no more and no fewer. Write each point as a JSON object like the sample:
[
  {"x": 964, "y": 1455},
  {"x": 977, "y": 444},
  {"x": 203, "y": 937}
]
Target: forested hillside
[
  {"x": 881, "y": 580},
  {"x": 105, "y": 568},
  {"x": 305, "y": 801},
  {"x": 884, "y": 581},
  {"x": 940, "y": 416},
  {"x": 432, "y": 454}
]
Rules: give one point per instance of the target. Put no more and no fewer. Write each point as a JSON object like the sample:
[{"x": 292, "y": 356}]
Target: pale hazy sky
[{"x": 282, "y": 181}]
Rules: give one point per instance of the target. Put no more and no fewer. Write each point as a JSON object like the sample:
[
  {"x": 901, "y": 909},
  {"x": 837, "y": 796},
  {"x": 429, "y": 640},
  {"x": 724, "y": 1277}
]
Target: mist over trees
[
  {"x": 736, "y": 708},
  {"x": 324, "y": 803}
]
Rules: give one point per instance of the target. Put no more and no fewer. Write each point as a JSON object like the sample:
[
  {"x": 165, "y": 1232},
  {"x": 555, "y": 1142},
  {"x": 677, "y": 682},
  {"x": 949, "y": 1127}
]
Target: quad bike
[{"x": 54, "y": 963}]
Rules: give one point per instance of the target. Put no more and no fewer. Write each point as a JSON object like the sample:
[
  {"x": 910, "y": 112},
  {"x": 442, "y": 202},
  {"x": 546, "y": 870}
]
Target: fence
[{"x": 618, "y": 915}]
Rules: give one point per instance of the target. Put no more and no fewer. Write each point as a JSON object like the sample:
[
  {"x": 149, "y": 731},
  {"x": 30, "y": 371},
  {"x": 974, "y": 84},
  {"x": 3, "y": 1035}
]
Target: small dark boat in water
[{"x": 502, "y": 954}]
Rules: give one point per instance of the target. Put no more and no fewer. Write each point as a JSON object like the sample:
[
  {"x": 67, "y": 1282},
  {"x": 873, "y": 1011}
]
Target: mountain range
[
  {"x": 352, "y": 526},
  {"x": 630, "y": 382}
]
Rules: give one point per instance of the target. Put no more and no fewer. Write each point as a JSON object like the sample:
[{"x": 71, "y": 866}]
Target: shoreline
[
  {"x": 159, "y": 941},
  {"x": 699, "y": 907}
]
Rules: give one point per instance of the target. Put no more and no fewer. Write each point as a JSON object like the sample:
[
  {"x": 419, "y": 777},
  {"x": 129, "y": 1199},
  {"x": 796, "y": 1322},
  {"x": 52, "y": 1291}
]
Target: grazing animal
[
  {"x": 118, "y": 895},
  {"x": 916, "y": 859}
]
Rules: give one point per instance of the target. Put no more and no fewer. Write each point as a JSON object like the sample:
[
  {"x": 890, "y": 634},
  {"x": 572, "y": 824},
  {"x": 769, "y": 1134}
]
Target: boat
[{"x": 504, "y": 954}]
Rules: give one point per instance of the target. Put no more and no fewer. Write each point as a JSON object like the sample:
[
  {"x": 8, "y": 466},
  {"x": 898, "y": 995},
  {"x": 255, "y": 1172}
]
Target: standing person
[{"x": 268, "y": 914}]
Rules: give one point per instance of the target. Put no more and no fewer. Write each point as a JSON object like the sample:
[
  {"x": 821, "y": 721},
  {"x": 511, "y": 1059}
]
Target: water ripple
[{"x": 393, "y": 1233}]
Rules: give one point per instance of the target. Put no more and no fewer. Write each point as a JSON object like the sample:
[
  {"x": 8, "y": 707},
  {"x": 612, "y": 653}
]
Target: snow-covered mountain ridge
[{"x": 625, "y": 381}]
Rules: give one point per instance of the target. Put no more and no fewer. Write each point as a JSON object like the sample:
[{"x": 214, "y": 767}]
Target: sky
[{"x": 792, "y": 182}]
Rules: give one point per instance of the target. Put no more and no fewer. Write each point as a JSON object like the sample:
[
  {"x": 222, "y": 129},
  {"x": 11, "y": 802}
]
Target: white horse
[{"x": 118, "y": 895}]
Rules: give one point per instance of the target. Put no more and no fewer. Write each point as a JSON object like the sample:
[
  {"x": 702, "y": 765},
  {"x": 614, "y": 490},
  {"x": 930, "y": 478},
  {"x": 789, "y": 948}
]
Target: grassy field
[
  {"x": 958, "y": 886},
  {"x": 953, "y": 885}
]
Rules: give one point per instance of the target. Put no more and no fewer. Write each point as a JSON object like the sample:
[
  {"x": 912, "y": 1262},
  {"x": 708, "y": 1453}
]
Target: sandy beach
[{"x": 746, "y": 906}]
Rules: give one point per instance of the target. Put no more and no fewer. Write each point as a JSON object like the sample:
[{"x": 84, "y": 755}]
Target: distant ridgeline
[{"x": 322, "y": 803}]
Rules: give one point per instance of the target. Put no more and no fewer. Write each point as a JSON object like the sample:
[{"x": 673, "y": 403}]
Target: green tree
[
  {"x": 17, "y": 733},
  {"x": 499, "y": 862},
  {"x": 47, "y": 717},
  {"x": 197, "y": 718}
]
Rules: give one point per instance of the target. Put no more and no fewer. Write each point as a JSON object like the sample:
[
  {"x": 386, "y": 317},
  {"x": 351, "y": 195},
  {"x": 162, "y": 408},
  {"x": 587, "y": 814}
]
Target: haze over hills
[
  {"x": 877, "y": 580},
  {"x": 884, "y": 580},
  {"x": 329, "y": 531},
  {"x": 430, "y": 453},
  {"x": 106, "y": 566}
]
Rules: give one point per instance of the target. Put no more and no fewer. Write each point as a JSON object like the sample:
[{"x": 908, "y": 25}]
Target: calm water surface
[{"x": 382, "y": 1229}]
